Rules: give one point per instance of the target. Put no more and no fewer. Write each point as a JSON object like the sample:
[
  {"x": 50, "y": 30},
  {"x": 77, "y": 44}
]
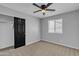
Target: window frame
[{"x": 55, "y": 28}]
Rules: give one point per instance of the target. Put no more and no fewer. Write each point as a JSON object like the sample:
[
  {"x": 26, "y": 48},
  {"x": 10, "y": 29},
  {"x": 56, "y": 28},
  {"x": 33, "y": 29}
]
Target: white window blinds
[{"x": 55, "y": 26}]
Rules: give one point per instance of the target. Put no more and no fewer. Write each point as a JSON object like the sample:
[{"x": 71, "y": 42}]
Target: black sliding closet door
[{"x": 19, "y": 32}]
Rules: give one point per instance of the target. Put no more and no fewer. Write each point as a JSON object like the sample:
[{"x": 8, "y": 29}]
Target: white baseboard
[
  {"x": 61, "y": 44},
  {"x": 31, "y": 42}
]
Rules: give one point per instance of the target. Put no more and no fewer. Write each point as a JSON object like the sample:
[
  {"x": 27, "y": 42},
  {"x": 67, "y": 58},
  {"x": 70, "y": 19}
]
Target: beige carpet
[{"x": 41, "y": 49}]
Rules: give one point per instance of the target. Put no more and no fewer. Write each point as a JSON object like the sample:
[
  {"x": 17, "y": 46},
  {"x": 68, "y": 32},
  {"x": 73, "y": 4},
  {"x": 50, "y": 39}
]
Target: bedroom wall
[
  {"x": 70, "y": 35},
  {"x": 6, "y": 31},
  {"x": 32, "y": 24}
]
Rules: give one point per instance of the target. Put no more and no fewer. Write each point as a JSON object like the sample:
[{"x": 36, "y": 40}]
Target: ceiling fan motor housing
[{"x": 43, "y": 6}]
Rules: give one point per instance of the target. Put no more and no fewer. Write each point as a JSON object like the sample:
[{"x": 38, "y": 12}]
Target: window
[
  {"x": 51, "y": 26},
  {"x": 55, "y": 26}
]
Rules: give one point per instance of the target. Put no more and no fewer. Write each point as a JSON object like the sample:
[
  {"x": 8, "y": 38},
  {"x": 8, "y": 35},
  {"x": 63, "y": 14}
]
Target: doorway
[{"x": 19, "y": 32}]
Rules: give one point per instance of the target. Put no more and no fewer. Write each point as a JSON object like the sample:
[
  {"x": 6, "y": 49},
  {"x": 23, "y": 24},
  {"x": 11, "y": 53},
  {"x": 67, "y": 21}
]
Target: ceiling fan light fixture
[
  {"x": 43, "y": 11},
  {"x": 43, "y": 8}
]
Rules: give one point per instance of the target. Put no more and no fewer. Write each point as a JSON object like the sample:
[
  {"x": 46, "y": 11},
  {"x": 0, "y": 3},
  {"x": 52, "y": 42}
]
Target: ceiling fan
[{"x": 43, "y": 8}]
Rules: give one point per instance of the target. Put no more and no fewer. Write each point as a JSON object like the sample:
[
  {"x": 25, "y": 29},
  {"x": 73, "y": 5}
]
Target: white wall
[
  {"x": 6, "y": 31},
  {"x": 32, "y": 30},
  {"x": 6, "y": 35},
  {"x": 32, "y": 24},
  {"x": 70, "y": 36}
]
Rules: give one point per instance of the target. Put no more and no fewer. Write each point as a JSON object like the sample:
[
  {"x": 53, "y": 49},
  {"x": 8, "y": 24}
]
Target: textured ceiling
[{"x": 28, "y": 8}]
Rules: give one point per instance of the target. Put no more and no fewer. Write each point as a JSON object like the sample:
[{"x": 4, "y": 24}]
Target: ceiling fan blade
[
  {"x": 36, "y": 5},
  {"x": 50, "y": 9},
  {"x": 36, "y": 11},
  {"x": 49, "y": 4}
]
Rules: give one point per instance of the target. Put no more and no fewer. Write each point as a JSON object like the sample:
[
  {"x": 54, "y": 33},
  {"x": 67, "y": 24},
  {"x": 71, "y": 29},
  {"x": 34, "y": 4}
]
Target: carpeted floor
[{"x": 41, "y": 49}]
